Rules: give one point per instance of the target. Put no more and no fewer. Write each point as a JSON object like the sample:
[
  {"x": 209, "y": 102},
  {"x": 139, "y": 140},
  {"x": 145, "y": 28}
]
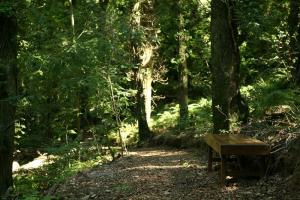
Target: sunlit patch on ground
[
  {"x": 165, "y": 174},
  {"x": 36, "y": 163},
  {"x": 158, "y": 153}
]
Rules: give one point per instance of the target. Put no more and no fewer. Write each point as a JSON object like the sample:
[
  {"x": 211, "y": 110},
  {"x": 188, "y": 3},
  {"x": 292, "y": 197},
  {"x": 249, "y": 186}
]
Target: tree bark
[
  {"x": 225, "y": 61},
  {"x": 238, "y": 104},
  {"x": 183, "y": 73},
  {"x": 8, "y": 89},
  {"x": 297, "y": 64},
  {"x": 82, "y": 95},
  {"x": 144, "y": 97},
  {"x": 143, "y": 54},
  {"x": 294, "y": 34}
]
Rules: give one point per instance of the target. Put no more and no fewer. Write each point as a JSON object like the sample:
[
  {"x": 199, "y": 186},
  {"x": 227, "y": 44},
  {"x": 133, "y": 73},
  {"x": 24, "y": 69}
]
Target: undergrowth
[
  {"x": 273, "y": 90},
  {"x": 67, "y": 161},
  {"x": 199, "y": 117}
]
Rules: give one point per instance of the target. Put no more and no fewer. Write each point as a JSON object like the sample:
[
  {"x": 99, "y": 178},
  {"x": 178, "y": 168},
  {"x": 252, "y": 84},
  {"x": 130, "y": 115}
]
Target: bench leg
[
  {"x": 210, "y": 153},
  {"x": 223, "y": 170},
  {"x": 265, "y": 162}
]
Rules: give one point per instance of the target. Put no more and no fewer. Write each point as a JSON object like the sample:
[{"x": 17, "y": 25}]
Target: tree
[
  {"x": 8, "y": 88},
  {"x": 143, "y": 45},
  {"x": 183, "y": 70},
  {"x": 184, "y": 51},
  {"x": 82, "y": 89},
  {"x": 294, "y": 34},
  {"x": 225, "y": 61},
  {"x": 65, "y": 62}
]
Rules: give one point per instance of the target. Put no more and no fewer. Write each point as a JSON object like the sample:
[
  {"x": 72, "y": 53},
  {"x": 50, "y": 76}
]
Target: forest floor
[{"x": 163, "y": 173}]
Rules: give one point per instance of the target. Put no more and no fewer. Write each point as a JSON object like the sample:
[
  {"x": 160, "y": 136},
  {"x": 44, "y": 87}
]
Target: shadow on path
[{"x": 156, "y": 173}]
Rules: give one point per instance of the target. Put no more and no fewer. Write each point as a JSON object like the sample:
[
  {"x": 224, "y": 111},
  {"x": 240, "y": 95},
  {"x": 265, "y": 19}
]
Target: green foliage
[
  {"x": 200, "y": 116},
  {"x": 68, "y": 160},
  {"x": 129, "y": 133},
  {"x": 196, "y": 31},
  {"x": 63, "y": 80},
  {"x": 65, "y": 88},
  {"x": 263, "y": 39},
  {"x": 6, "y": 7},
  {"x": 272, "y": 90}
]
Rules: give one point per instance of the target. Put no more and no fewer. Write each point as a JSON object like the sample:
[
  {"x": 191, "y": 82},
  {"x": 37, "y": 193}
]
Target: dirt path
[{"x": 161, "y": 174}]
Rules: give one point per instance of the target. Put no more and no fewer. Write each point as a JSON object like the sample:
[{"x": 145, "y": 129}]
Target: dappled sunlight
[
  {"x": 157, "y": 153},
  {"x": 201, "y": 103},
  {"x": 230, "y": 188},
  {"x": 167, "y": 167},
  {"x": 38, "y": 162},
  {"x": 200, "y": 115},
  {"x": 268, "y": 92},
  {"x": 167, "y": 117},
  {"x": 148, "y": 173}
]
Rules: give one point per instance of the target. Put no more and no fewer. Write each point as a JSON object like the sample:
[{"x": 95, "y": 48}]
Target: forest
[{"x": 111, "y": 99}]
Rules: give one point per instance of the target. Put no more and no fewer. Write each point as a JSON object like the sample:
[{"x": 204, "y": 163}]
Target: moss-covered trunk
[
  {"x": 143, "y": 26},
  {"x": 183, "y": 74},
  {"x": 144, "y": 98}
]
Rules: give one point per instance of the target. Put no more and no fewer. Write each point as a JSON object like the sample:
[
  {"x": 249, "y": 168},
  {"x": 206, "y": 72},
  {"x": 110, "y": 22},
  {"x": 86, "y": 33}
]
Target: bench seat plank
[{"x": 236, "y": 144}]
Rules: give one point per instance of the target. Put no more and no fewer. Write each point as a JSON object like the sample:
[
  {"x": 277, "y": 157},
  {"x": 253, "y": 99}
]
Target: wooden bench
[{"x": 232, "y": 144}]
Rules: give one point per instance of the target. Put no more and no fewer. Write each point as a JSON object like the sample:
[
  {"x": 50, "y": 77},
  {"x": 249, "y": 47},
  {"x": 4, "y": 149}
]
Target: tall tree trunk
[
  {"x": 183, "y": 72},
  {"x": 82, "y": 90},
  {"x": 78, "y": 93},
  {"x": 225, "y": 62},
  {"x": 144, "y": 53},
  {"x": 294, "y": 34},
  {"x": 8, "y": 89},
  {"x": 238, "y": 104},
  {"x": 144, "y": 97},
  {"x": 71, "y": 2},
  {"x": 297, "y": 64}
]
